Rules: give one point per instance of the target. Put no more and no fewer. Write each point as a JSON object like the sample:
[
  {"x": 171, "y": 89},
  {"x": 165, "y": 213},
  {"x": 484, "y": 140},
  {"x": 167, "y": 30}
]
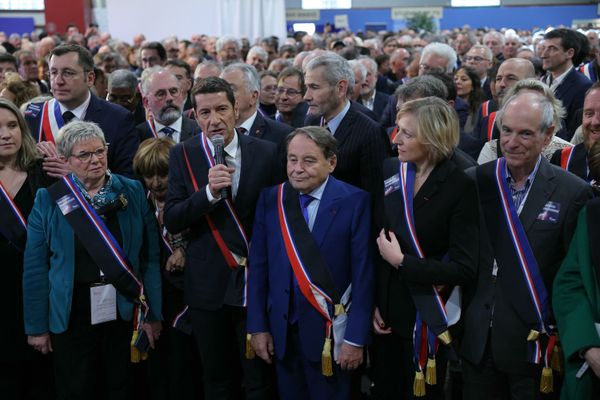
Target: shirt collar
[
  {"x": 231, "y": 149},
  {"x": 558, "y": 79},
  {"x": 78, "y": 111},
  {"x": 530, "y": 178},
  {"x": 175, "y": 125},
  {"x": 318, "y": 192},
  {"x": 371, "y": 99},
  {"x": 247, "y": 124},
  {"x": 334, "y": 122}
]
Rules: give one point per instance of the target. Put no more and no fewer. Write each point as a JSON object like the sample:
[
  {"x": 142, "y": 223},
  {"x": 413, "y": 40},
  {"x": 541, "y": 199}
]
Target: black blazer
[
  {"x": 268, "y": 129},
  {"x": 360, "y": 152},
  {"x": 207, "y": 276},
  {"x": 578, "y": 164},
  {"x": 379, "y": 104},
  {"x": 549, "y": 242},
  {"x": 115, "y": 121},
  {"x": 189, "y": 128},
  {"x": 571, "y": 92},
  {"x": 447, "y": 222}
]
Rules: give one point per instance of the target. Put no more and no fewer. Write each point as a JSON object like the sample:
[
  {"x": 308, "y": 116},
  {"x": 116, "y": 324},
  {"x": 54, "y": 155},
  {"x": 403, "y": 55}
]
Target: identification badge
[
  {"x": 550, "y": 213},
  {"x": 103, "y": 301},
  {"x": 391, "y": 184}
]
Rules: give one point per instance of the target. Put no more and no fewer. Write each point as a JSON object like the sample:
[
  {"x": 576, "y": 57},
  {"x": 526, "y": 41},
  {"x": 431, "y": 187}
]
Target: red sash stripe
[
  {"x": 13, "y": 206},
  {"x": 565, "y": 157},
  {"x": 490, "y": 126}
]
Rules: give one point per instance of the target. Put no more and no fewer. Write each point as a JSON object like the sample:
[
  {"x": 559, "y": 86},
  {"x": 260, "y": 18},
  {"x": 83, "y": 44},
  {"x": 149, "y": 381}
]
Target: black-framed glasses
[
  {"x": 289, "y": 91},
  {"x": 476, "y": 59},
  {"x": 87, "y": 155}
]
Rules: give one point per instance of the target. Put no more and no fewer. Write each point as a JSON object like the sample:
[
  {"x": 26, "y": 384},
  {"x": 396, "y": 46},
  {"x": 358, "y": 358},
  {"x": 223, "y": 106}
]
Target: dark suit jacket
[
  {"x": 268, "y": 129},
  {"x": 571, "y": 92},
  {"x": 207, "y": 276},
  {"x": 189, "y": 128},
  {"x": 578, "y": 164},
  {"x": 342, "y": 233},
  {"x": 487, "y": 92},
  {"x": 379, "y": 104},
  {"x": 388, "y": 117},
  {"x": 447, "y": 222},
  {"x": 299, "y": 115},
  {"x": 118, "y": 127},
  {"x": 360, "y": 152},
  {"x": 549, "y": 242}
]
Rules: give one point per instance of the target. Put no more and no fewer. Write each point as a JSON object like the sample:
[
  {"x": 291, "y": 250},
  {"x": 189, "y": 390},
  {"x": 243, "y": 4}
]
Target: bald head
[{"x": 512, "y": 71}]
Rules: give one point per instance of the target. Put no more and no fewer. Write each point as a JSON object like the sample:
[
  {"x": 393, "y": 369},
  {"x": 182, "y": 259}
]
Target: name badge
[
  {"x": 103, "y": 301},
  {"x": 67, "y": 204},
  {"x": 391, "y": 184}
]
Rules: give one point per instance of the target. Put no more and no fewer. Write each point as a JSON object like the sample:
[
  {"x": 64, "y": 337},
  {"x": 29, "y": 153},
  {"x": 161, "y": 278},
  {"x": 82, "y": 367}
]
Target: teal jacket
[
  {"x": 576, "y": 303},
  {"x": 49, "y": 262}
]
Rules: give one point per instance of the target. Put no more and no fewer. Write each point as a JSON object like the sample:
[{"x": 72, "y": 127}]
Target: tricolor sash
[
  {"x": 308, "y": 265},
  {"x": 589, "y": 71},
  {"x": 96, "y": 238},
  {"x": 485, "y": 109},
  {"x": 431, "y": 321},
  {"x": 51, "y": 121},
  {"x": 224, "y": 223},
  {"x": 150, "y": 122},
  {"x": 13, "y": 225},
  {"x": 490, "y": 126},
  {"x": 565, "y": 157},
  {"x": 518, "y": 265}
]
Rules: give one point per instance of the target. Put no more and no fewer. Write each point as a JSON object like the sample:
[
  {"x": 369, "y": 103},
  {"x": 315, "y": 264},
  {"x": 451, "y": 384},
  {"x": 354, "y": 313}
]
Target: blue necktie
[
  {"x": 305, "y": 200},
  {"x": 168, "y": 131}
]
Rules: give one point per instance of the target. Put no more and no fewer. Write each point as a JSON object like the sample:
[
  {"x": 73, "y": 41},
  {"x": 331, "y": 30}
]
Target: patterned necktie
[
  {"x": 242, "y": 130},
  {"x": 68, "y": 116},
  {"x": 305, "y": 200},
  {"x": 168, "y": 131}
]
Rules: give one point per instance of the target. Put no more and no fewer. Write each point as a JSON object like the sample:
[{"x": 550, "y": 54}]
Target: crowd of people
[{"x": 334, "y": 216}]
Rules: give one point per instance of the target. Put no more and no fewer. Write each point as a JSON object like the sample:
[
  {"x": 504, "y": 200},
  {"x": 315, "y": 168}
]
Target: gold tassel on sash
[
  {"x": 136, "y": 355},
  {"x": 533, "y": 335},
  {"x": 250, "y": 353},
  {"x": 547, "y": 381},
  {"x": 326, "y": 361},
  {"x": 556, "y": 359},
  {"x": 445, "y": 337},
  {"x": 419, "y": 384},
  {"x": 430, "y": 372}
]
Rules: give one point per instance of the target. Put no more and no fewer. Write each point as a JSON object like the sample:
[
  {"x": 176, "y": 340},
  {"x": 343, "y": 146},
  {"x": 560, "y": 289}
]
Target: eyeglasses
[
  {"x": 87, "y": 156},
  {"x": 289, "y": 91},
  {"x": 162, "y": 93},
  {"x": 66, "y": 74},
  {"x": 115, "y": 98},
  {"x": 270, "y": 88},
  {"x": 476, "y": 59}
]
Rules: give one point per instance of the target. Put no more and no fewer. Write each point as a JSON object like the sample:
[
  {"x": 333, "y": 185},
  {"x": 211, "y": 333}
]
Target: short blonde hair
[
  {"x": 152, "y": 157},
  {"x": 437, "y": 126}
]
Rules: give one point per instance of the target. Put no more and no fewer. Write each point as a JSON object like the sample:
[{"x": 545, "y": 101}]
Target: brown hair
[
  {"x": 27, "y": 154},
  {"x": 152, "y": 157}
]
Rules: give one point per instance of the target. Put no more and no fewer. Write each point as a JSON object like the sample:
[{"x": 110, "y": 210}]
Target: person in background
[
  {"x": 26, "y": 374},
  {"x": 469, "y": 89},
  {"x": 17, "y": 90},
  {"x": 268, "y": 93},
  {"x": 123, "y": 90}
]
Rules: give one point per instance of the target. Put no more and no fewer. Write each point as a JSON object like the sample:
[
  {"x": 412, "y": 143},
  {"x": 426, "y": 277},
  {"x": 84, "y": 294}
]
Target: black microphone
[{"x": 218, "y": 143}]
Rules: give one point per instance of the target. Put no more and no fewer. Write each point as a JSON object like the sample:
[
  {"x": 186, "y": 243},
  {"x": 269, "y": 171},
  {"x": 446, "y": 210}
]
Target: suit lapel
[
  {"x": 540, "y": 192},
  {"x": 247, "y": 149},
  {"x": 93, "y": 108},
  {"x": 125, "y": 222},
  {"x": 327, "y": 212},
  {"x": 431, "y": 185},
  {"x": 343, "y": 130},
  {"x": 258, "y": 127}
]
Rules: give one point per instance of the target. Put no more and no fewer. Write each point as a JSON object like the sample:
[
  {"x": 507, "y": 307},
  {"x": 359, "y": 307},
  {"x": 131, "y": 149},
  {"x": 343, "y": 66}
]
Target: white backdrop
[{"x": 157, "y": 19}]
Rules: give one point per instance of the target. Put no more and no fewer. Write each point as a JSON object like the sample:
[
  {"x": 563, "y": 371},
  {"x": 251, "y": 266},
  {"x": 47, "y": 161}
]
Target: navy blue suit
[
  {"x": 268, "y": 129},
  {"x": 571, "y": 92},
  {"x": 379, "y": 104},
  {"x": 342, "y": 233},
  {"x": 118, "y": 126}
]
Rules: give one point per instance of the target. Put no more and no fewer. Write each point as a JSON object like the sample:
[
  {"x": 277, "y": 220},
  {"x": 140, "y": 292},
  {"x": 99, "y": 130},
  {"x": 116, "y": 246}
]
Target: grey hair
[
  {"x": 500, "y": 37},
  {"x": 148, "y": 75},
  {"x": 356, "y": 65},
  {"x": 208, "y": 64},
  {"x": 442, "y": 50},
  {"x": 336, "y": 68},
  {"x": 488, "y": 53},
  {"x": 258, "y": 50},
  {"x": 422, "y": 86},
  {"x": 77, "y": 132},
  {"x": 223, "y": 40},
  {"x": 122, "y": 78},
  {"x": 249, "y": 72},
  {"x": 321, "y": 136},
  {"x": 369, "y": 63},
  {"x": 470, "y": 37},
  {"x": 547, "y": 106}
]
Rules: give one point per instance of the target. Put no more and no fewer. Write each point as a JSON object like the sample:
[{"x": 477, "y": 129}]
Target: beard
[{"x": 169, "y": 114}]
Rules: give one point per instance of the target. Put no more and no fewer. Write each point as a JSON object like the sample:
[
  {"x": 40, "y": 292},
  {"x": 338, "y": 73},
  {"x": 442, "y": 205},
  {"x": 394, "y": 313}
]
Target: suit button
[{"x": 285, "y": 317}]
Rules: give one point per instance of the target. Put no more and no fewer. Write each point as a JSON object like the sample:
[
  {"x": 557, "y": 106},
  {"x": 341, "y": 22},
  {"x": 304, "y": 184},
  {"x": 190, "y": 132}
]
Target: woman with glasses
[
  {"x": 21, "y": 176},
  {"x": 91, "y": 279}
]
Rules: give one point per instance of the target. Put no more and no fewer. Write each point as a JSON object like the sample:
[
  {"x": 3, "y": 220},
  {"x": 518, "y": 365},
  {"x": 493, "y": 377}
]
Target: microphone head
[{"x": 217, "y": 140}]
